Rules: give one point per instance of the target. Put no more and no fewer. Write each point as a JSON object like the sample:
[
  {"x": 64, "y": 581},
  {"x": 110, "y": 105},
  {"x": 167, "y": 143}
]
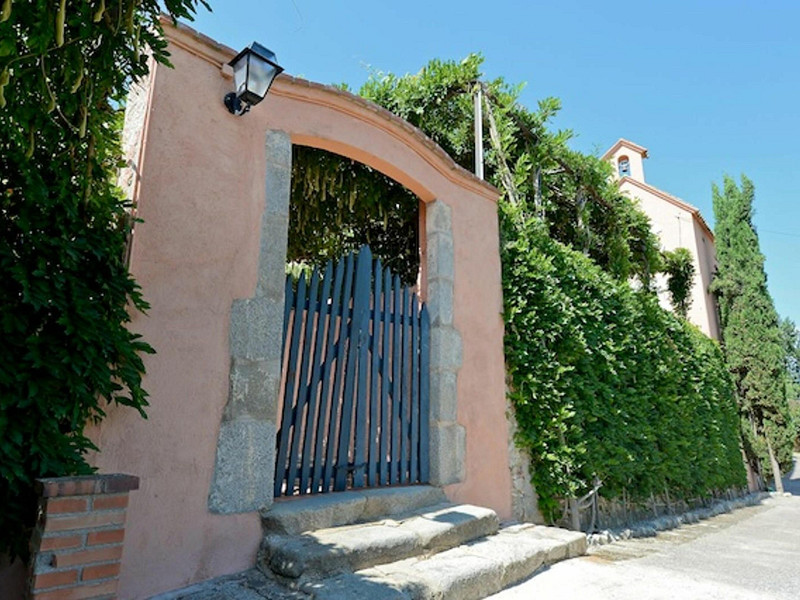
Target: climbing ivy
[
  {"x": 571, "y": 192},
  {"x": 608, "y": 385},
  {"x": 66, "y": 354}
]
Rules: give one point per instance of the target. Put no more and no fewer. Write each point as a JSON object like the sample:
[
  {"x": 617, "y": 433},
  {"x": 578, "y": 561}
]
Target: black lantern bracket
[{"x": 234, "y": 104}]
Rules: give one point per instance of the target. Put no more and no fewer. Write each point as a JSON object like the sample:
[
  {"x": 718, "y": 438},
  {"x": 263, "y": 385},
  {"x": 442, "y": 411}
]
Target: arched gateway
[{"x": 213, "y": 192}]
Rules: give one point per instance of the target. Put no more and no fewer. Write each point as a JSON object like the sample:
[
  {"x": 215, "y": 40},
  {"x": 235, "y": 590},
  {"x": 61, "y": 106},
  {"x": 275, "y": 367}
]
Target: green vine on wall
[{"x": 605, "y": 383}]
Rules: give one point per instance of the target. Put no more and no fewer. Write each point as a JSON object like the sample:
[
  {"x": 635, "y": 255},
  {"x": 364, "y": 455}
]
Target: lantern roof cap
[{"x": 261, "y": 51}]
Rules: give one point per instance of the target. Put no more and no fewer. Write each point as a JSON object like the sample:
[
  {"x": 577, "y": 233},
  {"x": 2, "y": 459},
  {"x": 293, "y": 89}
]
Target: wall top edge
[
  {"x": 285, "y": 85},
  {"x": 85, "y": 485}
]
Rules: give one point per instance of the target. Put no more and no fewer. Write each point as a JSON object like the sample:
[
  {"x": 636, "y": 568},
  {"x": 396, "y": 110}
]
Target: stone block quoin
[{"x": 76, "y": 546}]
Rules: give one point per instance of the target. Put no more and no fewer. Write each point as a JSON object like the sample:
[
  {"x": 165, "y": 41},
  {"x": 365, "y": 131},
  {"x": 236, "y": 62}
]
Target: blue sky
[{"x": 709, "y": 87}]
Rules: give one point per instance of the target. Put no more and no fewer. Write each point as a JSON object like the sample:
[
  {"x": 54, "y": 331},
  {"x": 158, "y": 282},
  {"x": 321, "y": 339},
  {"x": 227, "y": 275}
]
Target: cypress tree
[{"x": 751, "y": 334}]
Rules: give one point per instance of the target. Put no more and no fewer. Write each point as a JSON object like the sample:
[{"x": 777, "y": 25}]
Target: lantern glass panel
[
  {"x": 260, "y": 78},
  {"x": 240, "y": 75}
]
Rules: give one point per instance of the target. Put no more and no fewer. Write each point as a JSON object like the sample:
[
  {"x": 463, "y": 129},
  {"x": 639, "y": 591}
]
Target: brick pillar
[{"x": 77, "y": 545}]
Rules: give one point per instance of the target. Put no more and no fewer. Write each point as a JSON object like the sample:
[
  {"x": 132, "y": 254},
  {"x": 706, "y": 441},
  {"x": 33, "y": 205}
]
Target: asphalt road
[{"x": 750, "y": 554}]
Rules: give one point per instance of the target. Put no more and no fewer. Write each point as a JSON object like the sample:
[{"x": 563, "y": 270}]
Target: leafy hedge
[
  {"x": 65, "y": 290},
  {"x": 606, "y": 383}
]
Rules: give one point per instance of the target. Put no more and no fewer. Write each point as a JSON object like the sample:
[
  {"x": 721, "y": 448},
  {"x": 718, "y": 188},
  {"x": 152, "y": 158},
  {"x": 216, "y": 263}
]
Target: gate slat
[
  {"x": 326, "y": 412},
  {"x": 404, "y": 390},
  {"x": 301, "y": 311},
  {"x": 385, "y": 363},
  {"x": 357, "y": 336},
  {"x": 373, "y": 452},
  {"x": 361, "y": 310},
  {"x": 424, "y": 394},
  {"x": 288, "y": 303},
  {"x": 288, "y": 401},
  {"x": 397, "y": 354},
  {"x": 414, "y": 458},
  {"x": 302, "y": 384},
  {"x": 313, "y": 388},
  {"x": 339, "y": 374}
]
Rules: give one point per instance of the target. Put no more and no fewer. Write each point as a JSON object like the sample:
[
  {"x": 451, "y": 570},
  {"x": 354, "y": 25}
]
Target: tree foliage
[
  {"x": 791, "y": 340},
  {"x": 571, "y": 192},
  {"x": 679, "y": 268},
  {"x": 338, "y": 205},
  {"x": 753, "y": 342},
  {"x": 65, "y": 293}
]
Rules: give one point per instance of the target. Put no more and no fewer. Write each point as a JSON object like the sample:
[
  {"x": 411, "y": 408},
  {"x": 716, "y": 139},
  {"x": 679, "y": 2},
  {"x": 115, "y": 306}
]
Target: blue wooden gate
[{"x": 354, "y": 406}]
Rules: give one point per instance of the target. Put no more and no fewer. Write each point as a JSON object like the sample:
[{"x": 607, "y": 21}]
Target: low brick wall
[{"x": 77, "y": 544}]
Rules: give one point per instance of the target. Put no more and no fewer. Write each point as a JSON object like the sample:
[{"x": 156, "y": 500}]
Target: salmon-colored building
[{"x": 677, "y": 224}]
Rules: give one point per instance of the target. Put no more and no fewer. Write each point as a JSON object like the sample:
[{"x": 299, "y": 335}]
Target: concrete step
[
  {"x": 468, "y": 572},
  {"x": 350, "y": 548},
  {"x": 293, "y": 516}
]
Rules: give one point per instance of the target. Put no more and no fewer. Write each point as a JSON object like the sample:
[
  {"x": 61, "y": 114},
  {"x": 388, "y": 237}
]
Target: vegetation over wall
[
  {"x": 609, "y": 386},
  {"x": 570, "y": 192},
  {"x": 338, "y": 205},
  {"x": 606, "y": 384},
  {"x": 66, "y": 291},
  {"x": 679, "y": 267}
]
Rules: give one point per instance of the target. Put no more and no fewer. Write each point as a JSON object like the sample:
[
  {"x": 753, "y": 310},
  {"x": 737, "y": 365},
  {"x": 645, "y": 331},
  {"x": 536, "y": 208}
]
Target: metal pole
[{"x": 479, "y": 132}]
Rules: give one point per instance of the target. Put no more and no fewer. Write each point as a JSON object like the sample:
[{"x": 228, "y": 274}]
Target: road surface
[{"x": 750, "y": 554}]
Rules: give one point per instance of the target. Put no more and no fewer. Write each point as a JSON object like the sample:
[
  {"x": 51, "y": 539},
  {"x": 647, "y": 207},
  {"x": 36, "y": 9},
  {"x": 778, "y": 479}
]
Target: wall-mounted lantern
[{"x": 254, "y": 70}]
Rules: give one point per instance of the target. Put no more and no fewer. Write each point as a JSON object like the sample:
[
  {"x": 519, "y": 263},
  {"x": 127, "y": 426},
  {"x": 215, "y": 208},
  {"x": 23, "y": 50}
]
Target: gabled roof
[
  {"x": 627, "y": 144},
  {"x": 675, "y": 201}
]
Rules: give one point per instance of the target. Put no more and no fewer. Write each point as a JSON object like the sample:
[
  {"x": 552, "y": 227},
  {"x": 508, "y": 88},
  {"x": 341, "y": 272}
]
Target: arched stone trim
[{"x": 243, "y": 477}]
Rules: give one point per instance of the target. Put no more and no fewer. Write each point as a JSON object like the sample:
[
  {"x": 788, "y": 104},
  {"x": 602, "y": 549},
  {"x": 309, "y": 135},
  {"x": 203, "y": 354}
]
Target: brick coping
[{"x": 83, "y": 485}]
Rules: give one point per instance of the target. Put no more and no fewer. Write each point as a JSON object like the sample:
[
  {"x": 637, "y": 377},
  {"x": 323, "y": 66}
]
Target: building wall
[
  {"x": 706, "y": 310},
  {"x": 677, "y": 227},
  {"x": 199, "y": 180}
]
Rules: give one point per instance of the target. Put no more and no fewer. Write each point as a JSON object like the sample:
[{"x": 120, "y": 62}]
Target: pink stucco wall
[{"x": 201, "y": 193}]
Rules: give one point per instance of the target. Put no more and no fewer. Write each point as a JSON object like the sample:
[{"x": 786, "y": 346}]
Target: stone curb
[{"x": 651, "y": 527}]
